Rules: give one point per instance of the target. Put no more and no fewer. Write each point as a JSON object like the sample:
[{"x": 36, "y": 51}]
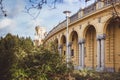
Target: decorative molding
[
  {"x": 69, "y": 44},
  {"x": 98, "y": 37},
  {"x": 81, "y": 41},
  {"x": 60, "y": 46},
  {"x": 99, "y": 20},
  {"x": 101, "y": 37},
  {"x": 80, "y": 26},
  {"x": 88, "y": 23},
  {"x": 72, "y": 29}
]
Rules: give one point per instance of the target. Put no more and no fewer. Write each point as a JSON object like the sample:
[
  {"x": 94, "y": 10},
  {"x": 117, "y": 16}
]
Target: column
[
  {"x": 60, "y": 50},
  {"x": 98, "y": 52},
  {"x": 83, "y": 52},
  {"x": 102, "y": 51},
  {"x": 69, "y": 51},
  {"x": 80, "y": 54}
]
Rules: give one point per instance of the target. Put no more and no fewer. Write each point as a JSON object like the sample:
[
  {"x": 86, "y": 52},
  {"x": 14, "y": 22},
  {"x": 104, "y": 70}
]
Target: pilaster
[
  {"x": 101, "y": 52},
  {"x": 80, "y": 54},
  {"x": 69, "y": 51},
  {"x": 82, "y": 41},
  {"x": 60, "y": 50},
  {"x": 98, "y": 53}
]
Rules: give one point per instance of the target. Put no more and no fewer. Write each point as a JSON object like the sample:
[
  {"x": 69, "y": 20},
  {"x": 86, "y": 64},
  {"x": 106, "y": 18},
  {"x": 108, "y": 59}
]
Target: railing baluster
[{"x": 86, "y": 11}]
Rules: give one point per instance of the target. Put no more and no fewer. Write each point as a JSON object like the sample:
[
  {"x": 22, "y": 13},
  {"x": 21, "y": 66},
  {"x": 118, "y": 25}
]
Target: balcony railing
[
  {"x": 60, "y": 26},
  {"x": 86, "y": 11},
  {"x": 89, "y": 9},
  {"x": 74, "y": 17},
  {"x": 108, "y": 2}
]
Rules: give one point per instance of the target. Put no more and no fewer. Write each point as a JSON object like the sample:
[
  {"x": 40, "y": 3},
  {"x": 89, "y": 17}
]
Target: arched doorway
[
  {"x": 90, "y": 47},
  {"x": 74, "y": 48},
  {"x": 63, "y": 44},
  {"x": 112, "y": 45}
]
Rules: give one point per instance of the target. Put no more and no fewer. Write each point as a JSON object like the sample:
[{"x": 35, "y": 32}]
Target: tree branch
[
  {"x": 2, "y": 8},
  {"x": 38, "y": 4}
]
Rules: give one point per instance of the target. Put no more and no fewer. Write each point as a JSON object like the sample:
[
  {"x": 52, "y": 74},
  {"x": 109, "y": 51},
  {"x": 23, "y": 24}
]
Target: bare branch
[
  {"x": 38, "y": 4},
  {"x": 113, "y": 2},
  {"x": 2, "y": 8}
]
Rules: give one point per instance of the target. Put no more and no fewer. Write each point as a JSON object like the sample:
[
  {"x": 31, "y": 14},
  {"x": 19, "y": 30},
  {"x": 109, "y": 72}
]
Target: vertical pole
[
  {"x": 67, "y": 53},
  {"x": 67, "y": 33}
]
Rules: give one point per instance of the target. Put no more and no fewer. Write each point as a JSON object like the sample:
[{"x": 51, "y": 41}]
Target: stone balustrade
[
  {"x": 108, "y": 2},
  {"x": 89, "y": 9},
  {"x": 81, "y": 14},
  {"x": 74, "y": 17}
]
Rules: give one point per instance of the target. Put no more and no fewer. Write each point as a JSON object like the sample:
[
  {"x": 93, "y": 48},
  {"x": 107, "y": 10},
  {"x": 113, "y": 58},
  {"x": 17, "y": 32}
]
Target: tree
[
  {"x": 11, "y": 53},
  {"x": 6, "y": 56},
  {"x": 38, "y": 5},
  {"x": 19, "y": 60},
  {"x": 44, "y": 65},
  {"x": 34, "y": 4}
]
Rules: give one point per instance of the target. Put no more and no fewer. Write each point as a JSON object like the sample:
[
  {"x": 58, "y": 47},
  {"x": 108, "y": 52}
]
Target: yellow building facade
[{"x": 94, "y": 37}]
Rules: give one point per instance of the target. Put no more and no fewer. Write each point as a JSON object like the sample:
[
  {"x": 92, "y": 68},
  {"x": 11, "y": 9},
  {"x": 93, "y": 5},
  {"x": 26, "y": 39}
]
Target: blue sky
[{"x": 19, "y": 22}]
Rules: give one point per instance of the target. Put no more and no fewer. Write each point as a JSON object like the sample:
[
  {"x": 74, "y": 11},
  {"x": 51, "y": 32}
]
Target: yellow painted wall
[{"x": 100, "y": 19}]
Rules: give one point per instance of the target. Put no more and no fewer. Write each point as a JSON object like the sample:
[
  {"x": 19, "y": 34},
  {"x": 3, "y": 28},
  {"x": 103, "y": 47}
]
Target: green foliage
[
  {"x": 20, "y": 60},
  {"x": 11, "y": 53},
  {"x": 86, "y": 74},
  {"x": 52, "y": 46},
  {"x": 44, "y": 64}
]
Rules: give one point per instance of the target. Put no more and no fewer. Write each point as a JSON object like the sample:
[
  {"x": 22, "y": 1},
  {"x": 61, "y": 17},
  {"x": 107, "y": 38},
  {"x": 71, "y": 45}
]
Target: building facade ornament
[
  {"x": 69, "y": 44},
  {"x": 103, "y": 47},
  {"x": 101, "y": 52},
  {"x": 101, "y": 37},
  {"x": 81, "y": 53},
  {"x": 60, "y": 46},
  {"x": 81, "y": 41}
]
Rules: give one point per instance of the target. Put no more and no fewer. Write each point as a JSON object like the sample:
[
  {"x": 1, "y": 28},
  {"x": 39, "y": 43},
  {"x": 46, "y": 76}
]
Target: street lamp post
[{"x": 67, "y": 52}]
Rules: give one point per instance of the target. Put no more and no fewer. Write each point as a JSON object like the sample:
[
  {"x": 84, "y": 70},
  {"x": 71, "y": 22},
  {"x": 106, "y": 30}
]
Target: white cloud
[
  {"x": 22, "y": 24},
  {"x": 49, "y": 18},
  {"x": 71, "y": 1},
  {"x": 14, "y": 7},
  {"x": 6, "y": 22}
]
